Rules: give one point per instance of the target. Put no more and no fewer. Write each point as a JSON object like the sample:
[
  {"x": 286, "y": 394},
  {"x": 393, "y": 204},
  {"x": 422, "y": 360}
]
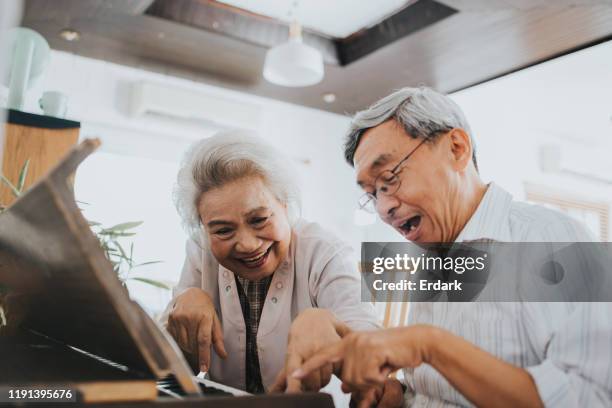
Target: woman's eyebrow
[
  {"x": 255, "y": 210},
  {"x": 218, "y": 222}
]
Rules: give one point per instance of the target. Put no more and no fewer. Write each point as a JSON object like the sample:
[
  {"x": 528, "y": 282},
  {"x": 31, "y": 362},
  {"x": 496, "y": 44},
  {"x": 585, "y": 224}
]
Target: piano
[{"x": 70, "y": 334}]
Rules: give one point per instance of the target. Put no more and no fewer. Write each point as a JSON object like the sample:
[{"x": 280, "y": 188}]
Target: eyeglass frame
[{"x": 371, "y": 197}]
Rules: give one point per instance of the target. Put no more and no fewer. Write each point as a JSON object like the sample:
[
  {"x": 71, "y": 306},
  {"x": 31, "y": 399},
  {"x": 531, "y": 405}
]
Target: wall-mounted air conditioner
[{"x": 148, "y": 98}]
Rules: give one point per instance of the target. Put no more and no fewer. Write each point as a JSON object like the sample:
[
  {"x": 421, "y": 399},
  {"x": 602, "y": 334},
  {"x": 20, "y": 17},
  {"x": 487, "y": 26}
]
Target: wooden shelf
[{"x": 43, "y": 140}]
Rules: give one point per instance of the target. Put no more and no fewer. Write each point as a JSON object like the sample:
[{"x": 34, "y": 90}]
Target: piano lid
[{"x": 52, "y": 260}]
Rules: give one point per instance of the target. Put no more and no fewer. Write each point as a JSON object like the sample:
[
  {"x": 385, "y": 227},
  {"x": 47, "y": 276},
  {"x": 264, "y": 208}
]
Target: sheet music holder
[{"x": 70, "y": 321}]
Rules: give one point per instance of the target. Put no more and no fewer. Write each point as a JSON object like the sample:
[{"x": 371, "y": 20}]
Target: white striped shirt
[{"x": 566, "y": 347}]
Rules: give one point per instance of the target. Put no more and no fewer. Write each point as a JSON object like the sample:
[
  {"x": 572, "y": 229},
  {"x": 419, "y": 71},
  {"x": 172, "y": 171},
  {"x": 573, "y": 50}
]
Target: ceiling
[
  {"x": 335, "y": 22},
  {"x": 446, "y": 44}
]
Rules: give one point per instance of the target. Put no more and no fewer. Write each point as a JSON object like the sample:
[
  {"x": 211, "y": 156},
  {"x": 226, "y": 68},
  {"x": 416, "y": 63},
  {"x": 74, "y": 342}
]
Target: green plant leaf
[
  {"x": 151, "y": 282},
  {"x": 123, "y": 254},
  {"x": 116, "y": 233},
  {"x": 122, "y": 263},
  {"x": 124, "y": 226},
  {"x": 147, "y": 263},
  {"x": 22, "y": 176},
  {"x": 10, "y": 185}
]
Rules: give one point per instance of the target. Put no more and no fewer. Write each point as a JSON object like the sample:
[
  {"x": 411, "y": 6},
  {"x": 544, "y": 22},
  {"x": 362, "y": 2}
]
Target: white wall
[
  {"x": 564, "y": 102},
  {"x": 131, "y": 177}
]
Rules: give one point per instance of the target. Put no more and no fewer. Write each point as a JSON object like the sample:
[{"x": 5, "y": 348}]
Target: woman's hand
[
  {"x": 310, "y": 332},
  {"x": 367, "y": 358},
  {"x": 195, "y": 326}
]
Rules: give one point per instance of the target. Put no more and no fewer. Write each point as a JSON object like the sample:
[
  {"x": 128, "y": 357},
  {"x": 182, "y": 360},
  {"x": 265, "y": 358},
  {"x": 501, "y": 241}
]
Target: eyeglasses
[{"x": 386, "y": 183}]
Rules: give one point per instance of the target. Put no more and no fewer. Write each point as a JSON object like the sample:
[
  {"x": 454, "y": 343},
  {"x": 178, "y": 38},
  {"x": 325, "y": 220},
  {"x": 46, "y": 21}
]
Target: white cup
[{"x": 54, "y": 103}]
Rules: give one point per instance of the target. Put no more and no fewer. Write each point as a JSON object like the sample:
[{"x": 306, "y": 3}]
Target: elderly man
[{"x": 415, "y": 158}]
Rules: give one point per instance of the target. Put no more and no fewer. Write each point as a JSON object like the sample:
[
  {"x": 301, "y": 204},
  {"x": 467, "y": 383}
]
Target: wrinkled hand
[
  {"x": 390, "y": 395},
  {"x": 194, "y": 324},
  {"x": 310, "y": 332},
  {"x": 367, "y": 358}
]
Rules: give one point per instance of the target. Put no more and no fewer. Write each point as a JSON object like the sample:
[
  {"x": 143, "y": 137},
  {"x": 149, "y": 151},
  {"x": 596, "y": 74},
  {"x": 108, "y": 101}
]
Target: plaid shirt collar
[
  {"x": 255, "y": 294},
  {"x": 252, "y": 296}
]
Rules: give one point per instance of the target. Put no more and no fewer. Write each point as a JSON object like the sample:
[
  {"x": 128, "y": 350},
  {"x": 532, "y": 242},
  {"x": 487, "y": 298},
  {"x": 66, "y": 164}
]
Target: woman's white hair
[{"x": 228, "y": 156}]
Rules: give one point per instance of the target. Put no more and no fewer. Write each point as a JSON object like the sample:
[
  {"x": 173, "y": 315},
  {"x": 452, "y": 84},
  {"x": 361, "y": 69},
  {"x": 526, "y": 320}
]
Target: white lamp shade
[{"x": 293, "y": 64}]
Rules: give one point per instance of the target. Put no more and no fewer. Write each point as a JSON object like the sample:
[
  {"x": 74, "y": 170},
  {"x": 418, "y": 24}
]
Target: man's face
[{"x": 422, "y": 209}]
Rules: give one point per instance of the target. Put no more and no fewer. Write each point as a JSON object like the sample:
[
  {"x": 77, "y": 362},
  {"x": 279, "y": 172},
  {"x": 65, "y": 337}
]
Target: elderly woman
[{"x": 258, "y": 283}]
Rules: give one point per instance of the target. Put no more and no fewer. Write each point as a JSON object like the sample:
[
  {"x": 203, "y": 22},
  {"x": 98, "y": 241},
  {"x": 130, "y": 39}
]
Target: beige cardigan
[{"x": 318, "y": 272}]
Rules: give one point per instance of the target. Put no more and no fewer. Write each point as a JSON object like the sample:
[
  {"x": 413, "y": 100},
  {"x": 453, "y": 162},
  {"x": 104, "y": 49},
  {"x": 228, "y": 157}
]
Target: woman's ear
[{"x": 461, "y": 148}]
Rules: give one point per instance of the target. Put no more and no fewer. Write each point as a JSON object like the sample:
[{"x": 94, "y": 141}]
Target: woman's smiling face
[{"x": 247, "y": 226}]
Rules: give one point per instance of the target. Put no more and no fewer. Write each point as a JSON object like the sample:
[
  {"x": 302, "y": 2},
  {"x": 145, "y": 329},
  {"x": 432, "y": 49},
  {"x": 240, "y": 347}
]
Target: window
[
  {"x": 595, "y": 216},
  {"x": 112, "y": 189}
]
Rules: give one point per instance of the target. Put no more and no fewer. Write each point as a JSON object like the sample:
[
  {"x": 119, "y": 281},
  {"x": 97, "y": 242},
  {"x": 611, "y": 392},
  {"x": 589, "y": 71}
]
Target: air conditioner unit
[
  {"x": 148, "y": 98},
  {"x": 592, "y": 166}
]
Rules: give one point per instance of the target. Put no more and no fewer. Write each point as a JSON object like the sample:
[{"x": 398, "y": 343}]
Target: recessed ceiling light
[
  {"x": 70, "y": 34},
  {"x": 329, "y": 97}
]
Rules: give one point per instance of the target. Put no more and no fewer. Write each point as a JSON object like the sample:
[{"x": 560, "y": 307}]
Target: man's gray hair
[
  {"x": 225, "y": 157},
  {"x": 422, "y": 112}
]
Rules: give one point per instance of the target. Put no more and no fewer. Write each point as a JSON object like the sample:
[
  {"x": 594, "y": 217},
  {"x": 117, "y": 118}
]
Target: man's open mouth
[
  {"x": 410, "y": 228},
  {"x": 258, "y": 260}
]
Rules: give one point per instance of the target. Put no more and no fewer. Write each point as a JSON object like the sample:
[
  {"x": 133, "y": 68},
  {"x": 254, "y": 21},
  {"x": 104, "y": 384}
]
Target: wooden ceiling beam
[{"x": 67, "y": 9}]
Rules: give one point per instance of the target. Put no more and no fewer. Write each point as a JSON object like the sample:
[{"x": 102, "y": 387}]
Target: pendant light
[{"x": 293, "y": 63}]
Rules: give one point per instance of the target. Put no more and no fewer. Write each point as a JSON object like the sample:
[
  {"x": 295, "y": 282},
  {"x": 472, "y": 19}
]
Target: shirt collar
[
  {"x": 261, "y": 285},
  {"x": 490, "y": 220}
]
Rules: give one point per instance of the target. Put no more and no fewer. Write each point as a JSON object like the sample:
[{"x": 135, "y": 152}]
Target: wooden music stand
[{"x": 63, "y": 294}]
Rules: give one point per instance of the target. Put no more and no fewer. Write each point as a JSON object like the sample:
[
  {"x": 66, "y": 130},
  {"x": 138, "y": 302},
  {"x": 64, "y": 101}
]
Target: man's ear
[{"x": 461, "y": 148}]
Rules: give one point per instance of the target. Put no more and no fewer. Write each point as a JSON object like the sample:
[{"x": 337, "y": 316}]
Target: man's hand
[
  {"x": 310, "y": 332},
  {"x": 367, "y": 358},
  {"x": 195, "y": 326},
  {"x": 390, "y": 395}
]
